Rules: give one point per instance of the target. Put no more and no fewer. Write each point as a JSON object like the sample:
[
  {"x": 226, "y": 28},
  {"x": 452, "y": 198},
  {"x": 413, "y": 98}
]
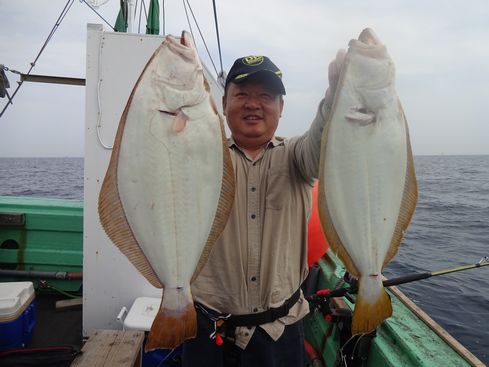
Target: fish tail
[
  {"x": 175, "y": 321},
  {"x": 372, "y": 306}
]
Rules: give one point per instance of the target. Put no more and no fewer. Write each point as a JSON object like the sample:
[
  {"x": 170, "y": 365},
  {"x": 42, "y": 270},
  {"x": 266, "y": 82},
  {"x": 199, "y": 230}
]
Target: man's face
[{"x": 252, "y": 110}]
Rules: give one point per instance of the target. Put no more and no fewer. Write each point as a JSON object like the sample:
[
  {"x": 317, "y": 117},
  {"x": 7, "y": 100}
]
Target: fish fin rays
[
  {"x": 408, "y": 204},
  {"x": 113, "y": 218},
  {"x": 172, "y": 327},
  {"x": 370, "y": 311}
]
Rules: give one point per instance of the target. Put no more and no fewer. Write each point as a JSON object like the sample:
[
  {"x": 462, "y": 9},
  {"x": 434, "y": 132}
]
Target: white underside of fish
[{"x": 169, "y": 185}]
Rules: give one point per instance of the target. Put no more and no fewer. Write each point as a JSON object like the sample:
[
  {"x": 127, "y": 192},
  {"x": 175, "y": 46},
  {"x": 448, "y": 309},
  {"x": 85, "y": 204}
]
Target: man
[{"x": 248, "y": 294}]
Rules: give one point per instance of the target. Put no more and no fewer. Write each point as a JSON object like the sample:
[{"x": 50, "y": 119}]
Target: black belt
[{"x": 260, "y": 318}]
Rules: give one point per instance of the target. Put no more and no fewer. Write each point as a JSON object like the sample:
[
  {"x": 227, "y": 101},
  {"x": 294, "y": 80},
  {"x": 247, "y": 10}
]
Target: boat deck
[{"x": 56, "y": 327}]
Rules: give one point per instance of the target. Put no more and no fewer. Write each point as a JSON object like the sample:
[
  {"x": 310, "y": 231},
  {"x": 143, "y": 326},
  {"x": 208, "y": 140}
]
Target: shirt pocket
[{"x": 278, "y": 187}]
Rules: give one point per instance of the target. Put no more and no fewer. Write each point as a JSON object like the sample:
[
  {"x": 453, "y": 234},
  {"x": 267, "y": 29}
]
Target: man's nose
[{"x": 252, "y": 102}]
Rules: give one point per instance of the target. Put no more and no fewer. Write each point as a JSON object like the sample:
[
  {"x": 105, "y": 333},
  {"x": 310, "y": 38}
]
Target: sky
[{"x": 440, "y": 49}]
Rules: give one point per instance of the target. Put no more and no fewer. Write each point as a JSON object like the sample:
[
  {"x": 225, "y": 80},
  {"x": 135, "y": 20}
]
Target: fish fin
[
  {"x": 408, "y": 204},
  {"x": 361, "y": 116},
  {"x": 112, "y": 215},
  {"x": 372, "y": 305},
  {"x": 179, "y": 122},
  {"x": 225, "y": 204},
  {"x": 175, "y": 322},
  {"x": 330, "y": 232}
]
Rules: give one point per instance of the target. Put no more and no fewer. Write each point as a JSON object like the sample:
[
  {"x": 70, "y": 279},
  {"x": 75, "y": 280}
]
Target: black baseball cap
[{"x": 256, "y": 66}]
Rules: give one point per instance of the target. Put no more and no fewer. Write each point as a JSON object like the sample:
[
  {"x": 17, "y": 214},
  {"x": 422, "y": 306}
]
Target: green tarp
[
  {"x": 153, "y": 23},
  {"x": 121, "y": 21}
]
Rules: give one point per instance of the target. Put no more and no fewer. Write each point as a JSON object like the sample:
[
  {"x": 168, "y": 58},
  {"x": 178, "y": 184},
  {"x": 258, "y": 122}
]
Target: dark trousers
[{"x": 261, "y": 351}]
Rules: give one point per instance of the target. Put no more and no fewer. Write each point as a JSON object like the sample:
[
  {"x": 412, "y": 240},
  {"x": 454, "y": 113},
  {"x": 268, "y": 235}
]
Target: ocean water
[
  {"x": 450, "y": 228},
  {"x": 42, "y": 177}
]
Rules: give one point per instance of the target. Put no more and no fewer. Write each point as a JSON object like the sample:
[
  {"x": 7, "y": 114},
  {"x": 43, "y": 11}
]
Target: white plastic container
[{"x": 142, "y": 313}]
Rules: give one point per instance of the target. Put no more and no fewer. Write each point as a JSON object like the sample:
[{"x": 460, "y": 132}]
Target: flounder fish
[
  {"x": 169, "y": 186},
  {"x": 367, "y": 183}
]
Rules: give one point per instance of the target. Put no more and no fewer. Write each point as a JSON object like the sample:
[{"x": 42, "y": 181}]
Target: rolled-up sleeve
[{"x": 307, "y": 147}]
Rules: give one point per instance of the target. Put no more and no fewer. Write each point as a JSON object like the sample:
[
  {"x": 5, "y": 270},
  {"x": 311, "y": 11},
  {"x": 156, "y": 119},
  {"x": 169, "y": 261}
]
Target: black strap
[{"x": 264, "y": 317}]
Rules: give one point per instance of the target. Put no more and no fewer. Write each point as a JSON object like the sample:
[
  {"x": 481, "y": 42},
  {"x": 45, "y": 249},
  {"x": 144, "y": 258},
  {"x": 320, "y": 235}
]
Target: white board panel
[{"x": 114, "y": 62}]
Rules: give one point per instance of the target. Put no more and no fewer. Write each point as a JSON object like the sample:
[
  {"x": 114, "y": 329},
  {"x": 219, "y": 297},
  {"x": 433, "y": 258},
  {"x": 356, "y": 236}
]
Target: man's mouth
[{"x": 252, "y": 118}]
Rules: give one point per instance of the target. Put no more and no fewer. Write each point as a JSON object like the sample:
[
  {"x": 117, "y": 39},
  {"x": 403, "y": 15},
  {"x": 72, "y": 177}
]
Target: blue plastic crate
[{"x": 17, "y": 314}]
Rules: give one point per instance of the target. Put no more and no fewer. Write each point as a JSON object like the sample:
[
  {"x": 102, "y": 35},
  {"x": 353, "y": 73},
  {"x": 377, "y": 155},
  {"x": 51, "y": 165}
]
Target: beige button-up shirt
[{"x": 260, "y": 260}]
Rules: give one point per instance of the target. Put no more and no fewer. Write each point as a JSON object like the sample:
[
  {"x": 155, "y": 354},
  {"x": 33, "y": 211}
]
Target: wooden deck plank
[{"x": 111, "y": 348}]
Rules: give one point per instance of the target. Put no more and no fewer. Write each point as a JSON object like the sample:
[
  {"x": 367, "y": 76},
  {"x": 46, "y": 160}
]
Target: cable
[
  {"x": 201, "y": 36},
  {"x": 188, "y": 19},
  {"x": 53, "y": 30},
  {"x": 99, "y": 102},
  {"x": 140, "y": 13},
  {"x": 96, "y": 12},
  {"x": 217, "y": 34}
]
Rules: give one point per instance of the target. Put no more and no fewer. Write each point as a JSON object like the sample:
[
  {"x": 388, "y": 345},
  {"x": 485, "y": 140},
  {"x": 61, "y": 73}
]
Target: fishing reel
[{"x": 353, "y": 350}]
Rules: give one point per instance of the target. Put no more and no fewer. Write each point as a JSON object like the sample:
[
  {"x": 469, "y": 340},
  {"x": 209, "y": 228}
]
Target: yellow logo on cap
[{"x": 252, "y": 60}]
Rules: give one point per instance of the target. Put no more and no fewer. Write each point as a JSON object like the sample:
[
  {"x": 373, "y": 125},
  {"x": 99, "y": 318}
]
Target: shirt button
[
  {"x": 253, "y": 189},
  {"x": 254, "y": 163},
  {"x": 255, "y": 309},
  {"x": 253, "y": 279},
  {"x": 253, "y": 216}
]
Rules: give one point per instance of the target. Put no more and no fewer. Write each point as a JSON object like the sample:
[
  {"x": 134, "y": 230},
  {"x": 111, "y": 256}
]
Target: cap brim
[{"x": 266, "y": 76}]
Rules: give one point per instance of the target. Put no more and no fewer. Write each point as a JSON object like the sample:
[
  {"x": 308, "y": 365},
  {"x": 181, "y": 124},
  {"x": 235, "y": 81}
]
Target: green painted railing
[{"x": 42, "y": 235}]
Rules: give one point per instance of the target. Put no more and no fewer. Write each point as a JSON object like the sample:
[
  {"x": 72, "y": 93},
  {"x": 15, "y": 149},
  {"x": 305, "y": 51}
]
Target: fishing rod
[{"x": 340, "y": 292}]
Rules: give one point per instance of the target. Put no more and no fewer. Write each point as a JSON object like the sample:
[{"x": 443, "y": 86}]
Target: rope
[
  {"x": 53, "y": 30},
  {"x": 201, "y": 36}
]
